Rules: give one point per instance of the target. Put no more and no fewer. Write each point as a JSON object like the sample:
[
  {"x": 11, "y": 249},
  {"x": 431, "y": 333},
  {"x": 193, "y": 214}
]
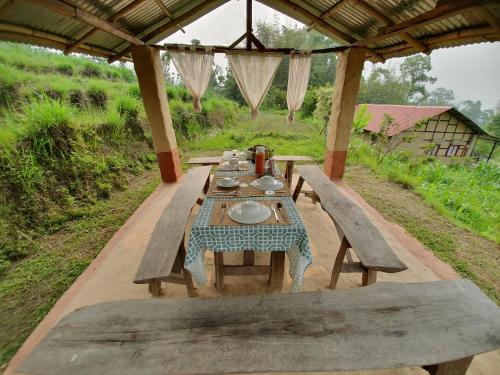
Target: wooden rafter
[
  {"x": 115, "y": 17},
  {"x": 330, "y": 11},
  {"x": 73, "y": 11},
  {"x": 313, "y": 19},
  {"x": 168, "y": 13},
  {"x": 168, "y": 26},
  {"x": 5, "y": 6},
  {"x": 249, "y": 24},
  {"x": 492, "y": 19},
  {"x": 439, "y": 13},
  {"x": 38, "y": 37},
  {"x": 486, "y": 32}
]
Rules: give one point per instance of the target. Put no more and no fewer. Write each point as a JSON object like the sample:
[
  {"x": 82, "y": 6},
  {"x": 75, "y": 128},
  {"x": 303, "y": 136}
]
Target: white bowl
[
  {"x": 268, "y": 183},
  {"x": 249, "y": 212},
  {"x": 234, "y": 162},
  {"x": 227, "y": 182}
]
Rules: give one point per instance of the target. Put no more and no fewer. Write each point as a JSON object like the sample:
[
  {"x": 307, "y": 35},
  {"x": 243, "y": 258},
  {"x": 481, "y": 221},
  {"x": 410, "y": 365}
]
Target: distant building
[{"x": 451, "y": 133}]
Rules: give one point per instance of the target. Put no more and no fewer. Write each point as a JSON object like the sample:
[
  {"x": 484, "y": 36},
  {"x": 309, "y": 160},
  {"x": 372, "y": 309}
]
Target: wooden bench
[
  {"x": 438, "y": 325},
  {"x": 354, "y": 227},
  {"x": 290, "y": 161},
  {"x": 163, "y": 259},
  {"x": 206, "y": 160}
]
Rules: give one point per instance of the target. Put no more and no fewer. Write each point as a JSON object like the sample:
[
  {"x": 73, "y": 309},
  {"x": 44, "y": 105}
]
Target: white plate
[
  {"x": 233, "y": 183},
  {"x": 277, "y": 185},
  {"x": 263, "y": 213}
]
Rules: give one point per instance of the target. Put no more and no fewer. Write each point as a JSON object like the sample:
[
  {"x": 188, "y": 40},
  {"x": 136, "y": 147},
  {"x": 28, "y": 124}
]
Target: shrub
[
  {"x": 9, "y": 83},
  {"x": 77, "y": 98},
  {"x": 309, "y": 104},
  {"x": 134, "y": 91},
  {"x": 275, "y": 99},
  {"x": 178, "y": 93},
  {"x": 128, "y": 108},
  {"x": 65, "y": 68},
  {"x": 91, "y": 69},
  {"x": 324, "y": 102},
  {"x": 97, "y": 94}
]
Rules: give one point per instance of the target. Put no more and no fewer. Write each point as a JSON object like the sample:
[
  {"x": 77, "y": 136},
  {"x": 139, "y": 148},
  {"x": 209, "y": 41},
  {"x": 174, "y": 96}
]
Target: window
[
  {"x": 452, "y": 150},
  {"x": 433, "y": 151}
]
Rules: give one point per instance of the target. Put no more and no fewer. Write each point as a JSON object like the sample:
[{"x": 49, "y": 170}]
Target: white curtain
[
  {"x": 298, "y": 78},
  {"x": 195, "y": 68},
  {"x": 254, "y": 73}
]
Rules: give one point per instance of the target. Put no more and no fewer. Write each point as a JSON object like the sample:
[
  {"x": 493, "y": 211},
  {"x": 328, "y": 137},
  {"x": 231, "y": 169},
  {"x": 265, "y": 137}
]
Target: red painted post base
[
  {"x": 170, "y": 165},
  {"x": 335, "y": 164}
]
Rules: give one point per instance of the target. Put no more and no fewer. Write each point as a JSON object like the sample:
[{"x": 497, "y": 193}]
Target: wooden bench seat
[
  {"x": 206, "y": 160},
  {"x": 355, "y": 228},
  {"x": 163, "y": 259},
  {"x": 438, "y": 325}
]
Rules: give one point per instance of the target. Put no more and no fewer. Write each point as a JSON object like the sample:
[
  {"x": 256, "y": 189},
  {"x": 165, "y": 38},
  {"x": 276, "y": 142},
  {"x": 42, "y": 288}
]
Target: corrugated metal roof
[{"x": 466, "y": 22}]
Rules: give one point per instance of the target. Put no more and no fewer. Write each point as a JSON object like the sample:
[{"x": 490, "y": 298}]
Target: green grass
[{"x": 30, "y": 289}]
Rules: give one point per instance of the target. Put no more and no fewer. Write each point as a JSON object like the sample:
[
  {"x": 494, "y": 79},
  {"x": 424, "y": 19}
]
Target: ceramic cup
[
  {"x": 267, "y": 181},
  {"x": 227, "y": 181}
]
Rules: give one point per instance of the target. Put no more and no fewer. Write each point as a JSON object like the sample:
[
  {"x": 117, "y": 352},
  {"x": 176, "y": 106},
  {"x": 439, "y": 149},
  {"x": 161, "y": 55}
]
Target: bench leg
[
  {"x": 155, "y": 288},
  {"x": 219, "y": 270},
  {"x": 298, "y": 188},
  {"x": 458, "y": 367},
  {"x": 248, "y": 257},
  {"x": 337, "y": 267},
  {"x": 277, "y": 270},
  {"x": 369, "y": 277}
]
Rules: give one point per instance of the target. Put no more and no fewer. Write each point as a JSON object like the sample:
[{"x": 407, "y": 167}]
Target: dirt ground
[{"x": 471, "y": 255}]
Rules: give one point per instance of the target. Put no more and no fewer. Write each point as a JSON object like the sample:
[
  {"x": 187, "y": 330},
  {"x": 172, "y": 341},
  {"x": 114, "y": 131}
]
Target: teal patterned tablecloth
[{"x": 265, "y": 238}]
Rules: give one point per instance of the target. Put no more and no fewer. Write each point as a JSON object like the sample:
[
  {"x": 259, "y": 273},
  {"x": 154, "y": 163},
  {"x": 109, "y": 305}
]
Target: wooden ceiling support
[
  {"x": 440, "y": 12},
  {"x": 115, "y": 17},
  {"x": 5, "y": 6},
  {"x": 167, "y": 13},
  {"x": 249, "y": 25},
  {"x": 73, "y": 11},
  {"x": 386, "y": 21},
  {"x": 169, "y": 25},
  {"x": 492, "y": 19},
  {"x": 330, "y": 12},
  {"x": 27, "y": 35}
]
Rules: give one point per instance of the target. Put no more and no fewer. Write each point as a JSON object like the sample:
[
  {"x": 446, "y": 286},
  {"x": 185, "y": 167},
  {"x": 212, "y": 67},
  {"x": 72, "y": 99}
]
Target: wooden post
[
  {"x": 277, "y": 270},
  {"x": 345, "y": 92},
  {"x": 249, "y": 24},
  {"x": 148, "y": 66}
]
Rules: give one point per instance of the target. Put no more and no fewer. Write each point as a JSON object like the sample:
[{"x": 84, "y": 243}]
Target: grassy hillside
[{"x": 75, "y": 155}]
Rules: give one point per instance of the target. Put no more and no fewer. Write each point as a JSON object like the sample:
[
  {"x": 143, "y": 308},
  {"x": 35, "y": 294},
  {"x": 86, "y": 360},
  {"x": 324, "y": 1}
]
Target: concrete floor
[{"x": 110, "y": 276}]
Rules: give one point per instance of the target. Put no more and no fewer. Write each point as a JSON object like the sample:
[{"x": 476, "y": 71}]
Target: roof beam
[
  {"x": 167, "y": 13},
  {"x": 27, "y": 35},
  {"x": 310, "y": 17},
  {"x": 5, "y": 6},
  {"x": 169, "y": 25},
  {"x": 73, "y": 11},
  {"x": 115, "y": 17},
  {"x": 440, "y": 12},
  {"x": 386, "y": 21},
  {"x": 492, "y": 19},
  {"x": 330, "y": 11}
]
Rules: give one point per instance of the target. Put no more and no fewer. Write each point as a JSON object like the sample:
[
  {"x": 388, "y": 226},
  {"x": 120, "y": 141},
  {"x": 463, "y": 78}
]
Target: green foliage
[
  {"x": 414, "y": 71},
  {"x": 275, "y": 99},
  {"x": 324, "y": 103},
  {"x": 178, "y": 93},
  {"x": 309, "y": 104},
  {"x": 97, "y": 94},
  {"x": 468, "y": 194},
  {"x": 361, "y": 119},
  {"x": 9, "y": 81}
]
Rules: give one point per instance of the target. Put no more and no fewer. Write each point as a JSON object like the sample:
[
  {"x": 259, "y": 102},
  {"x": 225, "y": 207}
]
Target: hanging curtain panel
[
  {"x": 254, "y": 73},
  {"x": 195, "y": 68},
  {"x": 298, "y": 78}
]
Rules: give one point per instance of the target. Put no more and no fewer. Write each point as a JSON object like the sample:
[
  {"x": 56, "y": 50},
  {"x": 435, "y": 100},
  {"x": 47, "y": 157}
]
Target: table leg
[
  {"x": 248, "y": 257},
  {"x": 219, "y": 270},
  {"x": 337, "y": 267},
  {"x": 277, "y": 270},
  {"x": 289, "y": 173}
]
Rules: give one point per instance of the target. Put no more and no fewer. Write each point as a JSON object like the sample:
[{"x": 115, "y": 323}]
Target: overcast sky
[{"x": 472, "y": 72}]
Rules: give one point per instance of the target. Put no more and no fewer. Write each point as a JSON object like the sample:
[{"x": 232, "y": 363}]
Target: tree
[
  {"x": 472, "y": 109},
  {"x": 414, "y": 71},
  {"x": 383, "y": 86},
  {"x": 389, "y": 137},
  {"x": 440, "y": 97},
  {"x": 493, "y": 126}
]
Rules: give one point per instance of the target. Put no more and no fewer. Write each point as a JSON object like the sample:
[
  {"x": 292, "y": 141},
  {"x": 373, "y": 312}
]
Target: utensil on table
[
  {"x": 275, "y": 214},
  {"x": 279, "y": 205},
  {"x": 223, "y": 210},
  {"x": 224, "y": 193}
]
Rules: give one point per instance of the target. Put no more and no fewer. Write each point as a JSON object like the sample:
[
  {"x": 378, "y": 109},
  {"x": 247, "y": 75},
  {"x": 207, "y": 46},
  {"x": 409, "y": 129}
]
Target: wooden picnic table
[{"x": 202, "y": 230}]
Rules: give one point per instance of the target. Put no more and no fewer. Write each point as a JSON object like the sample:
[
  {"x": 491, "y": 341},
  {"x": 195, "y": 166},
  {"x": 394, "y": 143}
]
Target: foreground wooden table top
[{"x": 386, "y": 325}]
